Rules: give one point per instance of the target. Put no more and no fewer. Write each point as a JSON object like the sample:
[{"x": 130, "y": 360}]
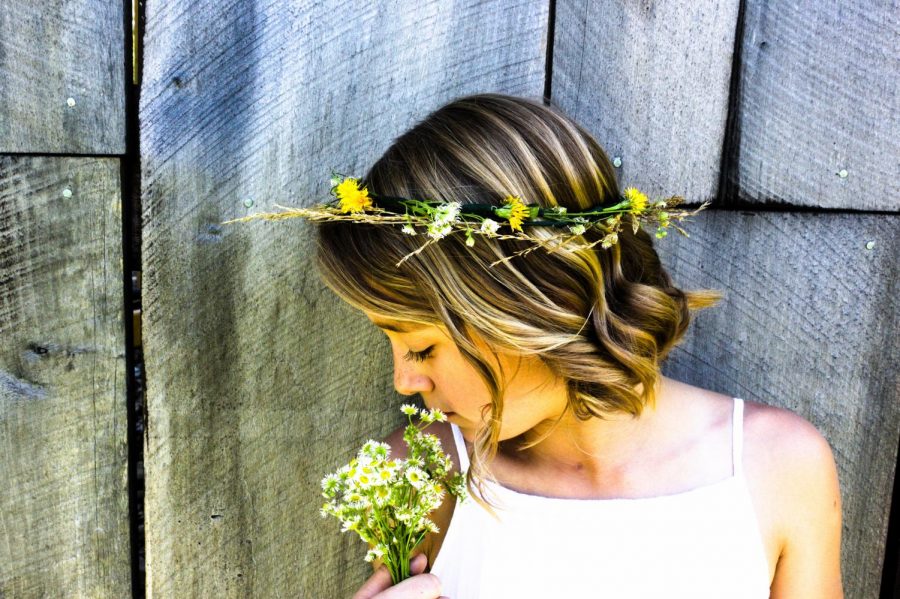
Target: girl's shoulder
[
  {"x": 784, "y": 457},
  {"x": 792, "y": 477},
  {"x": 782, "y": 448},
  {"x": 776, "y": 441}
]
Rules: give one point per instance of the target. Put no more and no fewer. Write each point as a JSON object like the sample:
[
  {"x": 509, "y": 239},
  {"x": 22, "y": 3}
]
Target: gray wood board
[
  {"x": 818, "y": 95},
  {"x": 63, "y": 425},
  {"x": 62, "y": 76},
  {"x": 258, "y": 381},
  {"x": 650, "y": 81},
  {"x": 809, "y": 323}
]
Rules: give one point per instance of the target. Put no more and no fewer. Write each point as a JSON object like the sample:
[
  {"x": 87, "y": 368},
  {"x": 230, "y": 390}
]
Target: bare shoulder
[
  {"x": 792, "y": 476},
  {"x": 787, "y": 456},
  {"x": 784, "y": 443}
]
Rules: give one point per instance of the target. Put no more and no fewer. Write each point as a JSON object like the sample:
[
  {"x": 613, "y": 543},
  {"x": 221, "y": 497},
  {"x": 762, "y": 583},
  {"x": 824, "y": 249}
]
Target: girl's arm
[{"x": 808, "y": 508}]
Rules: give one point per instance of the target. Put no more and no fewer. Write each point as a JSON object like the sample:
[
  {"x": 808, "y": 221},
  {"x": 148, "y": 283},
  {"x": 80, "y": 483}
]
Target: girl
[{"x": 593, "y": 475}]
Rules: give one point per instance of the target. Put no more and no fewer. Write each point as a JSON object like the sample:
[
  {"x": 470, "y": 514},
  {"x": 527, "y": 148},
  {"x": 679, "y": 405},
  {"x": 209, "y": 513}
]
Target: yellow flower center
[
  {"x": 351, "y": 197},
  {"x": 518, "y": 212},
  {"x": 638, "y": 200}
]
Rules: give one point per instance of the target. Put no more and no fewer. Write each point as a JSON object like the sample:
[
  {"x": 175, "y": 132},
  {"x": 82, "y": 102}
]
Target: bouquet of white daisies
[{"x": 387, "y": 502}]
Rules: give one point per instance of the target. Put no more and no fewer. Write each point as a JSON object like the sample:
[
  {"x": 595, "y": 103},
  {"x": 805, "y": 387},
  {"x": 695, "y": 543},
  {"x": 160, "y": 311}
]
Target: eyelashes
[{"x": 418, "y": 356}]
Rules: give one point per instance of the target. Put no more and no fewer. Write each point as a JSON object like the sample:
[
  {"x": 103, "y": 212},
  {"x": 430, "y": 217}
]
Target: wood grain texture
[
  {"x": 258, "y": 381},
  {"x": 55, "y": 53},
  {"x": 818, "y": 95},
  {"x": 650, "y": 81},
  {"x": 63, "y": 455},
  {"x": 810, "y": 322}
]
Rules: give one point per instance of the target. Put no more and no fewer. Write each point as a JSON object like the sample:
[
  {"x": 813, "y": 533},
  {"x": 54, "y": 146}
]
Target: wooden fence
[
  {"x": 258, "y": 381},
  {"x": 64, "y": 518}
]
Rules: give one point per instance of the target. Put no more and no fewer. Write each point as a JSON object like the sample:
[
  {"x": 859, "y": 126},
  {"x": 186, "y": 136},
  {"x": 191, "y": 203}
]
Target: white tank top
[{"x": 702, "y": 543}]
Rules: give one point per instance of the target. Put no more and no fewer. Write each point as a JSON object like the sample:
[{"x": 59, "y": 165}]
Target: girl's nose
[{"x": 407, "y": 378}]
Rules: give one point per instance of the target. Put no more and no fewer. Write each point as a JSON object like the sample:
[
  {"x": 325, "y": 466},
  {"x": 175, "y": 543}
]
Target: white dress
[{"x": 700, "y": 544}]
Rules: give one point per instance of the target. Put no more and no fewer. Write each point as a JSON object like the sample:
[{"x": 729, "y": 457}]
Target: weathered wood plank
[
  {"x": 62, "y": 76},
  {"x": 63, "y": 455},
  {"x": 817, "y": 105},
  {"x": 258, "y": 382},
  {"x": 650, "y": 80},
  {"x": 810, "y": 323}
]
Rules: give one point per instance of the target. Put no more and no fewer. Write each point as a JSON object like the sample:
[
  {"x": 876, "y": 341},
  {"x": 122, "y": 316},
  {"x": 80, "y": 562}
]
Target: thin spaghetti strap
[
  {"x": 737, "y": 437},
  {"x": 460, "y": 448}
]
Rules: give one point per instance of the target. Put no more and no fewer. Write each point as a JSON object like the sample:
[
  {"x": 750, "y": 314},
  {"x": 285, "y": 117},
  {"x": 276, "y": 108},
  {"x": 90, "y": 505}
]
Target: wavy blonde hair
[{"x": 601, "y": 319}]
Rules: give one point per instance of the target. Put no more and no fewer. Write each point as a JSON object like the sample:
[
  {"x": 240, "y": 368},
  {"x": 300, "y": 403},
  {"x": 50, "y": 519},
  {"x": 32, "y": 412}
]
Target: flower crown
[{"x": 354, "y": 203}]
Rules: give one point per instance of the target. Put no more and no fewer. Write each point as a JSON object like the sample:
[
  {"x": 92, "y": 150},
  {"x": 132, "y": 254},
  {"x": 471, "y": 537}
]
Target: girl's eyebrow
[{"x": 398, "y": 327}]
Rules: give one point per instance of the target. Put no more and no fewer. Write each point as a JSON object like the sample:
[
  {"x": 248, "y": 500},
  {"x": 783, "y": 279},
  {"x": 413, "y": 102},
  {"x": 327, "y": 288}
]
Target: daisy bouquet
[{"x": 387, "y": 501}]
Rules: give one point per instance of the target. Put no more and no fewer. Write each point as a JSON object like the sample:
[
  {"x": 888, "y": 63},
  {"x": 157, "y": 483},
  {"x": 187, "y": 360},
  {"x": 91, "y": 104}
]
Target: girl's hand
[{"x": 419, "y": 586}]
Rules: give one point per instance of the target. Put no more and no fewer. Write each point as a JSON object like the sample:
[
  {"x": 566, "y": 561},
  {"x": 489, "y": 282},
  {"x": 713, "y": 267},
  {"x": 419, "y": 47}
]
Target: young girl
[{"x": 592, "y": 474}]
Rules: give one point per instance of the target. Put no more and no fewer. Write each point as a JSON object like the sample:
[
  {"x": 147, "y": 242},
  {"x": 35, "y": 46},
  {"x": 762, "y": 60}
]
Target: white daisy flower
[
  {"x": 489, "y": 226},
  {"x": 438, "y": 230},
  {"x": 431, "y": 526},
  {"x": 580, "y": 227},
  {"x": 376, "y": 552},
  {"x": 446, "y": 213},
  {"x": 416, "y": 477}
]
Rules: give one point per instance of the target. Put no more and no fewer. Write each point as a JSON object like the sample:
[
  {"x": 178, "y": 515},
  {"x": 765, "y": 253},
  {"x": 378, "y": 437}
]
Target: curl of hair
[{"x": 601, "y": 319}]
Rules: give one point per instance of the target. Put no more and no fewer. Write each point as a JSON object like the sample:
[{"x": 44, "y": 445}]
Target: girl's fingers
[
  {"x": 376, "y": 583},
  {"x": 418, "y": 563},
  {"x": 420, "y": 586}
]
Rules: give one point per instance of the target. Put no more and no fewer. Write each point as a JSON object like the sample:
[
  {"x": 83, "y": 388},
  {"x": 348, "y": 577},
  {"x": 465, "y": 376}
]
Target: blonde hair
[{"x": 601, "y": 319}]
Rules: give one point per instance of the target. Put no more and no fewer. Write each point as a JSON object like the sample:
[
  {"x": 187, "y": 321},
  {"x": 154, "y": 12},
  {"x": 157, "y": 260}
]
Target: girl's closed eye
[{"x": 418, "y": 356}]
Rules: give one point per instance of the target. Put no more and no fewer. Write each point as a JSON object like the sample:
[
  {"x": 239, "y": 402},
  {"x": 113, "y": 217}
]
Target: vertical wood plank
[
  {"x": 810, "y": 322},
  {"x": 63, "y": 455},
  {"x": 817, "y": 105},
  {"x": 258, "y": 381},
  {"x": 62, "y": 76},
  {"x": 650, "y": 80}
]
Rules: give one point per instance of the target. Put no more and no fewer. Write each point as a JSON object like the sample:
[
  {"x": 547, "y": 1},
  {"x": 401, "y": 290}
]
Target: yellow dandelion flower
[
  {"x": 352, "y": 198},
  {"x": 518, "y": 212},
  {"x": 638, "y": 200}
]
